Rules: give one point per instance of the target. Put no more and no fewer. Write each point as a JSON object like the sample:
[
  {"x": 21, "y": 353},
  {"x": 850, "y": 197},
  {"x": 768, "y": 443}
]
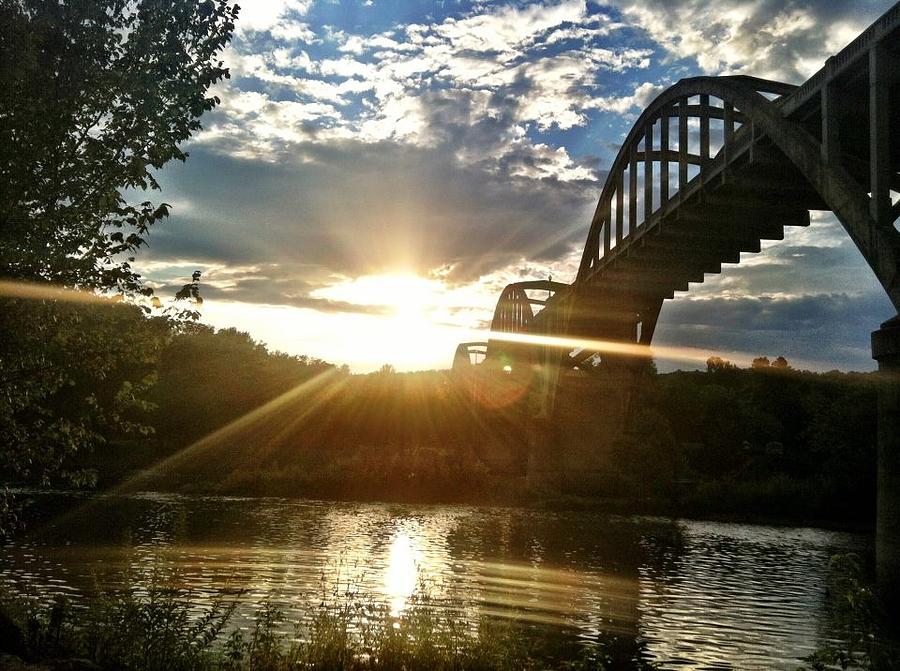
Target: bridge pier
[
  {"x": 544, "y": 470},
  {"x": 886, "y": 350},
  {"x": 570, "y": 450}
]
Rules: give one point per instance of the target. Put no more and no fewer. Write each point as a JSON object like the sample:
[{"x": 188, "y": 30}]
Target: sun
[
  {"x": 404, "y": 327},
  {"x": 404, "y": 293},
  {"x": 401, "y": 318}
]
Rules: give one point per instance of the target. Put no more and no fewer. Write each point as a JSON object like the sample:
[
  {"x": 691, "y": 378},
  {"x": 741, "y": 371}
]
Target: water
[{"x": 702, "y": 595}]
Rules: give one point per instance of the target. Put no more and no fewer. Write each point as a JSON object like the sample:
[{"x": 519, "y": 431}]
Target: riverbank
[
  {"x": 227, "y": 417},
  {"x": 767, "y": 444},
  {"x": 778, "y": 500}
]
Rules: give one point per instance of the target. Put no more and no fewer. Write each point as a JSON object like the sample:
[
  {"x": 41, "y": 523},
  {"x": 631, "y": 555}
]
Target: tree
[
  {"x": 73, "y": 377},
  {"x": 761, "y": 362},
  {"x": 716, "y": 364},
  {"x": 781, "y": 363},
  {"x": 96, "y": 95}
]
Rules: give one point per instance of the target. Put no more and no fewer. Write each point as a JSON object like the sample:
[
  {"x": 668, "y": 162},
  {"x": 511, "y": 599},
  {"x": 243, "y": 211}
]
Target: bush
[{"x": 160, "y": 629}]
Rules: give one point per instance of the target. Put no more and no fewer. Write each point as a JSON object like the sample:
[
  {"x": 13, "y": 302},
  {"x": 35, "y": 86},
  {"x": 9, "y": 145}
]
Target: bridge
[{"x": 713, "y": 166}]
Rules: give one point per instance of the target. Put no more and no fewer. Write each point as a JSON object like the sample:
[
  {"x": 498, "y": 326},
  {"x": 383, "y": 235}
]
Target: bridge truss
[{"x": 711, "y": 167}]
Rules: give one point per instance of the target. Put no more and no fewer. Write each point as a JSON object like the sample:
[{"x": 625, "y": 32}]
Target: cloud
[
  {"x": 294, "y": 31},
  {"x": 533, "y": 66},
  {"x": 643, "y": 95},
  {"x": 774, "y": 39},
  {"x": 472, "y": 146},
  {"x": 812, "y": 330},
  {"x": 508, "y": 28},
  {"x": 260, "y": 15},
  {"x": 353, "y": 208}
]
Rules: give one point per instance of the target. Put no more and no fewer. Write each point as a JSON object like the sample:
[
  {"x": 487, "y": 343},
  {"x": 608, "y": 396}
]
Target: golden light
[
  {"x": 403, "y": 316},
  {"x": 47, "y": 291},
  {"x": 401, "y": 573},
  {"x": 630, "y": 349},
  {"x": 405, "y": 294}
]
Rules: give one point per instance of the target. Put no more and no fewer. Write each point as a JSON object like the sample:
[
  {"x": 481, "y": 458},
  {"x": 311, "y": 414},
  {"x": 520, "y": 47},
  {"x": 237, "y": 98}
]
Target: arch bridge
[{"x": 713, "y": 166}]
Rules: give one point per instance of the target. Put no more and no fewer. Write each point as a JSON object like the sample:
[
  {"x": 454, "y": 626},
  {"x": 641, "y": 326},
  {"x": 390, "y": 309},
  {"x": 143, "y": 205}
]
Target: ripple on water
[{"x": 703, "y": 595}]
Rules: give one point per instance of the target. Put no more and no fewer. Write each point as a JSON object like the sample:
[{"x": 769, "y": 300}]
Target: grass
[
  {"x": 870, "y": 641},
  {"x": 161, "y": 629}
]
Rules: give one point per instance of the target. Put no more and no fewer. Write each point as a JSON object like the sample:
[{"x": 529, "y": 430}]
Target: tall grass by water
[{"x": 161, "y": 629}]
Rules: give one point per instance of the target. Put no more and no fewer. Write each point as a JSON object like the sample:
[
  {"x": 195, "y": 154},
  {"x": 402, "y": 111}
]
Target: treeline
[
  {"x": 768, "y": 441},
  {"x": 93, "y": 387},
  {"x": 102, "y": 394}
]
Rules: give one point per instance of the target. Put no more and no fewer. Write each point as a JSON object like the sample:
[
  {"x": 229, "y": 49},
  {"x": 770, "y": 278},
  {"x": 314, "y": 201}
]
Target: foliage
[
  {"x": 207, "y": 378},
  {"x": 765, "y": 442},
  {"x": 73, "y": 377},
  {"x": 160, "y": 629},
  {"x": 97, "y": 95},
  {"x": 861, "y": 622},
  {"x": 771, "y": 440}
]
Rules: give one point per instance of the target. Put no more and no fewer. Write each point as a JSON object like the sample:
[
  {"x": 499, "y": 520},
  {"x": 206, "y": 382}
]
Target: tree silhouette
[{"x": 96, "y": 95}]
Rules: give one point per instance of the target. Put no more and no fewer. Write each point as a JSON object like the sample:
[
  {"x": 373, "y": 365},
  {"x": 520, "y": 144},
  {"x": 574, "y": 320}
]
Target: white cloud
[
  {"x": 348, "y": 67},
  {"x": 259, "y": 15},
  {"x": 294, "y": 31},
  {"x": 560, "y": 85},
  {"x": 642, "y": 96},
  {"x": 505, "y": 30},
  {"x": 250, "y": 124},
  {"x": 494, "y": 63},
  {"x": 546, "y": 162},
  {"x": 400, "y": 117},
  {"x": 765, "y": 38}
]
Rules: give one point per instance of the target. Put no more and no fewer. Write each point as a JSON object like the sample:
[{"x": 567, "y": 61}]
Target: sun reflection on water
[
  {"x": 700, "y": 594},
  {"x": 401, "y": 573}
]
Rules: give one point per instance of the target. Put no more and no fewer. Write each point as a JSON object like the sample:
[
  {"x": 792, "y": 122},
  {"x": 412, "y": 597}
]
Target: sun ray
[
  {"x": 42, "y": 291},
  {"x": 629, "y": 349},
  {"x": 322, "y": 383},
  {"x": 257, "y": 417}
]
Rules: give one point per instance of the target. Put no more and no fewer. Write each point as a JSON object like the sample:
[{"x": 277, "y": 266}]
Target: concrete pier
[{"x": 886, "y": 350}]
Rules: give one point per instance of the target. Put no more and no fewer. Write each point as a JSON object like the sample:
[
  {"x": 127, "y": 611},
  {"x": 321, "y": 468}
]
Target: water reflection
[
  {"x": 401, "y": 573},
  {"x": 701, "y": 595}
]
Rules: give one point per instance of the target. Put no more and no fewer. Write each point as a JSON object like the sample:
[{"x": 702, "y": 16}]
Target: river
[{"x": 703, "y": 595}]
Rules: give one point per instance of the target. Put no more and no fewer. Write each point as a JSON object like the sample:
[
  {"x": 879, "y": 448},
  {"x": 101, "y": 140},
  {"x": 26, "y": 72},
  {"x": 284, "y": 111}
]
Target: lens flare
[
  {"x": 41, "y": 291},
  {"x": 629, "y": 349}
]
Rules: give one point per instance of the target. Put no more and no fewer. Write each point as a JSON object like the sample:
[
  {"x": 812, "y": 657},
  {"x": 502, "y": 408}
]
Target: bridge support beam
[
  {"x": 886, "y": 350},
  {"x": 545, "y": 466}
]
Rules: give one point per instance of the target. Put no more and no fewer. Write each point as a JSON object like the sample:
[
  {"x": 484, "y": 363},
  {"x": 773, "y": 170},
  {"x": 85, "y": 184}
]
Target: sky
[{"x": 378, "y": 170}]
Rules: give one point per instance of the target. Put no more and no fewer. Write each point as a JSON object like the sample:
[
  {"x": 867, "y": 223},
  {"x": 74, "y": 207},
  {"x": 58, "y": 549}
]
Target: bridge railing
[
  {"x": 521, "y": 302},
  {"x": 835, "y": 65},
  {"x": 683, "y": 139}
]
